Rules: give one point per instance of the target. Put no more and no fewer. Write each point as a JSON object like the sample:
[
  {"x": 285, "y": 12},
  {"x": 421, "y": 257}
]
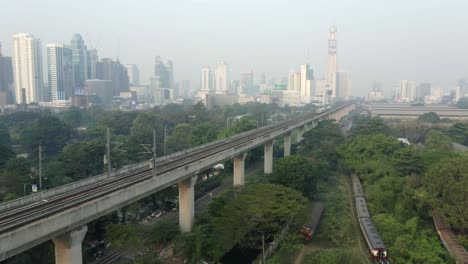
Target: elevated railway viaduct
[{"x": 61, "y": 214}]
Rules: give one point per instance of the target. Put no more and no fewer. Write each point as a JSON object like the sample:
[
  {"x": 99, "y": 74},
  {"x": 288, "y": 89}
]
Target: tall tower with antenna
[{"x": 332, "y": 60}]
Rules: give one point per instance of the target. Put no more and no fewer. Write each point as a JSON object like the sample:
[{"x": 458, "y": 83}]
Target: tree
[
  {"x": 16, "y": 173},
  {"x": 180, "y": 139},
  {"x": 446, "y": 186},
  {"x": 298, "y": 173},
  {"x": 438, "y": 140},
  {"x": 5, "y": 155},
  {"x": 257, "y": 210},
  {"x": 49, "y": 131},
  {"x": 243, "y": 124},
  {"x": 364, "y": 125},
  {"x": 463, "y": 103},
  {"x": 430, "y": 117},
  {"x": 459, "y": 133},
  {"x": 415, "y": 130},
  {"x": 204, "y": 133},
  {"x": 4, "y": 136},
  {"x": 73, "y": 117},
  {"x": 322, "y": 141}
]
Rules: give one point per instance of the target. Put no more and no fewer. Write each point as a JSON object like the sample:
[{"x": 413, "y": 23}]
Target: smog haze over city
[{"x": 381, "y": 41}]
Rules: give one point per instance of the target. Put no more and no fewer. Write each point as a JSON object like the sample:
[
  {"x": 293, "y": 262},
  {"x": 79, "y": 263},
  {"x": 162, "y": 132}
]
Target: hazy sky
[{"x": 421, "y": 40}]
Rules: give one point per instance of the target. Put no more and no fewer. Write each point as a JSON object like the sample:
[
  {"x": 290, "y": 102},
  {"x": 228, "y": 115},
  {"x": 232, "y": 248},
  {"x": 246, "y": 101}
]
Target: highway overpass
[
  {"x": 61, "y": 214},
  {"x": 406, "y": 111}
]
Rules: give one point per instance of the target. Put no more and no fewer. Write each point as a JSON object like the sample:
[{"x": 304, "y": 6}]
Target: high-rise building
[
  {"x": 6, "y": 78},
  {"x": 423, "y": 90},
  {"x": 306, "y": 76},
  {"x": 60, "y": 72},
  {"x": 332, "y": 59},
  {"x": 185, "y": 88},
  {"x": 93, "y": 60},
  {"x": 405, "y": 91},
  {"x": 27, "y": 68},
  {"x": 133, "y": 73},
  {"x": 221, "y": 82},
  {"x": 294, "y": 81},
  {"x": 164, "y": 74},
  {"x": 109, "y": 69},
  {"x": 80, "y": 61},
  {"x": 206, "y": 79},
  {"x": 343, "y": 85},
  {"x": 246, "y": 83}
]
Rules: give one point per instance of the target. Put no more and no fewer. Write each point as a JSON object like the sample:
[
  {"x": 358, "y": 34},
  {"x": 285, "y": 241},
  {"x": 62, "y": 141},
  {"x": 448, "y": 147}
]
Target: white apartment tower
[
  {"x": 27, "y": 68},
  {"x": 60, "y": 72},
  {"x": 206, "y": 79},
  {"x": 405, "y": 91},
  {"x": 222, "y": 82},
  {"x": 332, "y": 60},
  {"x": 306, "y": 77},
  {"x": 133, "y": 73}
]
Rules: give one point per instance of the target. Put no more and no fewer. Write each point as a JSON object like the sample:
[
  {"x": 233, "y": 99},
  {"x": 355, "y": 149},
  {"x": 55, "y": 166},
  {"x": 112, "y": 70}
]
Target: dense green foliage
[
  {"x": 241, "y": 218},
  {"x": 430, "y": 117},
  {"x": 446, "y": 188},
  {"x": 298, "y": 173},
  {"x": 322, "y": 141},
  {"x": 392, "y": 177}
]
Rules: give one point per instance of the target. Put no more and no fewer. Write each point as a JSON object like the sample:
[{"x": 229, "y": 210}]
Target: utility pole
[
  {"x": 154, "y": 152},
  {"x": 40, "y": 167},
  {"x": 263, "y": 248},
  {"x": 108, "y": 148},
  {"x": 165, "y": 136}
]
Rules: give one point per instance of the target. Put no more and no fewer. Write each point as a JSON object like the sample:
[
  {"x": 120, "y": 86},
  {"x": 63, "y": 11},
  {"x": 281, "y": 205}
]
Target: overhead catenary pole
[
  {"x": 108, "y": 148},
  {"x": 154, "y": 152},
  {"x": 165, "y": 136},
  {"x": 40, "y": 167}
]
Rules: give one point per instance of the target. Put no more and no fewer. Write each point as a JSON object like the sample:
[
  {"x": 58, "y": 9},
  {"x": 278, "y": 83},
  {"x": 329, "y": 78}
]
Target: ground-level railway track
[
  {"x": 172, "y": 217},
  {"x": 450, "y": 241},
  {"x": 20, "y": 216}
]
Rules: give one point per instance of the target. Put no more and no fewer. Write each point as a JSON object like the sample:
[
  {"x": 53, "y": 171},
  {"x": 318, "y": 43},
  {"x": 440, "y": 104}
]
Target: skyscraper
[
  {"x": 93, "y": 60},
  {"x": 306, "y": 77},
  {"x": 27, "y": 68},
  {"x": 221, "y": 82},
  {"x": 6, "y": 78},
  {"x": 164, "y": 74},
  {"x": 206, "y": 79},
  {"x": 246, "y": 83},
  {"x": 343, "y": 85},
  {"x": 332, "y": 60},
  {"x": 405, "y": 91},
  {"x": 109, "y": 69},
  {"x": 80, "y": 61},
  {"x": 60, "y": 71},
  {"x": 133, "y": 73}
]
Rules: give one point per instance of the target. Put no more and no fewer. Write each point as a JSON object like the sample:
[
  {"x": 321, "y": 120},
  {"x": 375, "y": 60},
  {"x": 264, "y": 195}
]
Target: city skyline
[{"x": 364, "y": 36}]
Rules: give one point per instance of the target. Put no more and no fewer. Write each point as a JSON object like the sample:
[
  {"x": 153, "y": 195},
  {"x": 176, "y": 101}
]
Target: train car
[
  {"x": 377, "y": 248},
  {"x": 310, "y": 227},
  {"x": 357, "y": 187},
  {"x": 361, "y": 207},
  {"x": 375, "y": 245}
]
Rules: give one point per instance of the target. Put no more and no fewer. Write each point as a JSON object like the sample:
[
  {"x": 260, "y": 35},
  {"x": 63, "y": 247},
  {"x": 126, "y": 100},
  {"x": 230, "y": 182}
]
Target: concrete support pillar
[
  {"x": 268, "y": 157},
  {"x": 68, "y": 246},
  {"x": 300, "y": 133},
  {"x": 239, "y": 170},
  {"x": 187, "y": 204},
  {"x": 287, "y": 144}
]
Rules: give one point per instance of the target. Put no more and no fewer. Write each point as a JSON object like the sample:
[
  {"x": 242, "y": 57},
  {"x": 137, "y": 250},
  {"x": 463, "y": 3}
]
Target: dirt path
[{"x": 360, "y": 246}]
